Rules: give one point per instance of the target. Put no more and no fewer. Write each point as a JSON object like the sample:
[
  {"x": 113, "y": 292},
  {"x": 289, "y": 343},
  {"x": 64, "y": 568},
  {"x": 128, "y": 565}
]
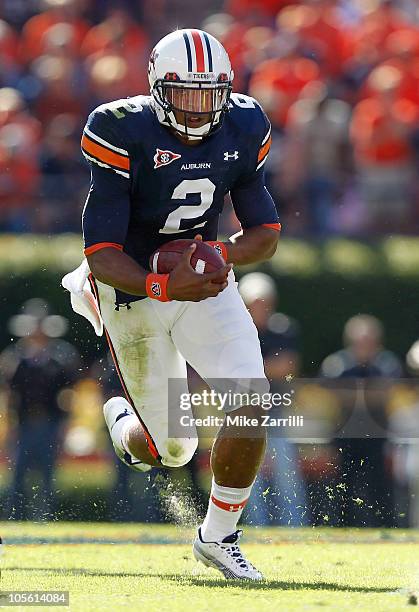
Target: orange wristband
[
  {"x": 156, "y": 287},
  {"x": 220, "y": 247}
]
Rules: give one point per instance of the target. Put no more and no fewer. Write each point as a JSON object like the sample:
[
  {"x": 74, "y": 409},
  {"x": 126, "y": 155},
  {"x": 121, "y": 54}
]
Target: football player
[{"x": 161, "y": 166}]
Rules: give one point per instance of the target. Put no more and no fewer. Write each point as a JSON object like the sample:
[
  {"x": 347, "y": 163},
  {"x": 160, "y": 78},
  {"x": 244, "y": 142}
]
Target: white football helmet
[{"x": 190, "y": 76}]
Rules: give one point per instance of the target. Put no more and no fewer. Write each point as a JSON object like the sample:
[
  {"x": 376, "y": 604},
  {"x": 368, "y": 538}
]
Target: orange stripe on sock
[
  {"x": 228, "y": 507},
  {"x": 103, "y": 154}
]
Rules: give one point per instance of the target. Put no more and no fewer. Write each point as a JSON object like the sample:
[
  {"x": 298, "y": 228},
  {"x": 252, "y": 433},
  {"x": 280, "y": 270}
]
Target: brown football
[{"x": 204, "y": 259}]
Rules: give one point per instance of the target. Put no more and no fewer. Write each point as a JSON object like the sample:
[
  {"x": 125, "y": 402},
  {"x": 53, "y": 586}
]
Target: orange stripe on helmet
[{"x": 199, "y": 50}]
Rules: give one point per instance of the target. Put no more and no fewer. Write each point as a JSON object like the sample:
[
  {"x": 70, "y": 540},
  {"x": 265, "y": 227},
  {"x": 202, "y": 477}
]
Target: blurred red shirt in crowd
[
  {"x": 376, "y": 25},
  {"x": 381, "y": 124},
  {"x": 277, "y": 83},
  {"x": 9, "y": 47},
  {"x": 19, "y": 146},
  {"x": 242, "y": 8},
  {"x": 401, "y": 52},
  {"x": 319, "y": 33},
  {"x": 58, "y": 11},
  {"x": 120, "y": 36}
]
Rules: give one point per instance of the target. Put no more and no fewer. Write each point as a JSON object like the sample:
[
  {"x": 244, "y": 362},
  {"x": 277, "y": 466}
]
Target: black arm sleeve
[
  {"x": 107, "y": 210},
  {"x": 252, "y": 202}
]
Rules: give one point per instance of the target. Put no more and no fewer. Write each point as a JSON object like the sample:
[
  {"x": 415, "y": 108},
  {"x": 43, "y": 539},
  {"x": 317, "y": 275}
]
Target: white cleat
[
  {"x": 225, "y": 556},
  {"x": 115, "y": 409}
]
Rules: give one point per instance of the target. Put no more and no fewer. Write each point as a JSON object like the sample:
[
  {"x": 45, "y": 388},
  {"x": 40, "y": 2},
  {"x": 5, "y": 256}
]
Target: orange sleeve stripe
[
  {"x": 103, "y": 154},
  {"x": 275, "y": 226},
  {"x": 102, "y": 245},
  {"x": 265, "y": 149}
]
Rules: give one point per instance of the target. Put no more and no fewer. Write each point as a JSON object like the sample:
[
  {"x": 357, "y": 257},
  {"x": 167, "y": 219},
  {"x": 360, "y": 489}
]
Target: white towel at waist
[{"x": 82, "y": 299}]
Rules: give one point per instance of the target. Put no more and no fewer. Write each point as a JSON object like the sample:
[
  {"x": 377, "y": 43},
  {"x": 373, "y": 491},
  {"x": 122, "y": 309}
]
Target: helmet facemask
[{"x": 182, "y": 102}]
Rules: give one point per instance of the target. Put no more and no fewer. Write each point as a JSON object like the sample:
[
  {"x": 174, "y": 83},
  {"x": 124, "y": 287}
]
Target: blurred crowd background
[{"x": 339, "y": 80}]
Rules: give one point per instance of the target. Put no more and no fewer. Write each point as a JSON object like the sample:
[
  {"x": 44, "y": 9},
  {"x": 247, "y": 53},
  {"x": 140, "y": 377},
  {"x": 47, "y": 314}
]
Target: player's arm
[
  {"x": 257, "y": 214},
  {"x": 252, "y": 245},
  {"x": 255, "y": 210},
  {"x": 105, "y": 224}
]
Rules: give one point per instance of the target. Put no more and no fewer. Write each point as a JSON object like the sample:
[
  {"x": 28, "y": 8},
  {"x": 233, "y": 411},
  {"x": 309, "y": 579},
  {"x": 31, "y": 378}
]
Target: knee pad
[{"x": 177, "y": 452}]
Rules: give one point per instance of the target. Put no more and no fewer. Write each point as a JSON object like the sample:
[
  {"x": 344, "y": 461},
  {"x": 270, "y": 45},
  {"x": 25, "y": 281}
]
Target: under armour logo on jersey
[
  {"x": 228, "y": 156},
  {"x": 155, "y": 287},
  {"x": 163, "y": 158}
]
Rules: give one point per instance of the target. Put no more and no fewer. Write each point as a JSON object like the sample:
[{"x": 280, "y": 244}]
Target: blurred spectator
[
  {"x": 17, "y": 12},
  {"x": 402, "y": 54},
  {"x": 364, "y": 355},
  {"x": 405, "y": 421},
  {"x": 319, "y": 34},
  {"x": 13, "y": 112},
  {"x": 278, "y": 333},
  {"x": 64, "y": 177},
  {"x": 61, "y": 89},
  {"x": 381, "y": 131},
  {"x": 379, "y": 19},
  {"x": 120, "y": 35},
  {"x": 37, "y": 369},
  {"x": 9, "y": 53},
  {"x": 277, "y": 82},
  {"x": 54, "y": 12},
  {"x": 117, "y": 53},
  {"x": 256, "y": 9},
  {"x": 364, "y": 475},
  {"x": 19, "y": 174},
  {"x": 317, "y": 156},
  {"x": 283, "y": 502},
  {"x": 109, "y": 78}
]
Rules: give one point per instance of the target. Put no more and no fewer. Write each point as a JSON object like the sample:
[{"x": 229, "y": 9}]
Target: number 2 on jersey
[{"x": 205, "y": 188}]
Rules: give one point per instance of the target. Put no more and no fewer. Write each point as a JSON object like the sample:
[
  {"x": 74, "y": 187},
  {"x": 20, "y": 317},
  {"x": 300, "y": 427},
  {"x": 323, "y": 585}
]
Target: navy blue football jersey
[{"x": 148, "y": 187}]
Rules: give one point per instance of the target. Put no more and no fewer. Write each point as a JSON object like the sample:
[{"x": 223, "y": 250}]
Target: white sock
[
  {"x": 225, "y": 508},
  {"x": 120, "y": 429}
]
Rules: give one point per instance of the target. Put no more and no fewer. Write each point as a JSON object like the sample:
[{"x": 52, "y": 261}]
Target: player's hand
[{"x": 186, "y": 285}]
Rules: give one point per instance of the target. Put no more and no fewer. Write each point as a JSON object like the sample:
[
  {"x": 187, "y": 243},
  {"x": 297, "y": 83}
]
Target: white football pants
[{"x": 152, "y": 341}]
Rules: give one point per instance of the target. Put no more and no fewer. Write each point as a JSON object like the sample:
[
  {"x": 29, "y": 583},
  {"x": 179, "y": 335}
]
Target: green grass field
[{"x": 129, "y": 566}]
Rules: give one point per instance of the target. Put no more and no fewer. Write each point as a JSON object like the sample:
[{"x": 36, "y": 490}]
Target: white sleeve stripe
[
  {"x": 103, "y": 142},
  {"x": 266, "y": 137},
  {"x": 262, "y": 162},
  {"x": 103, "y": 165}
]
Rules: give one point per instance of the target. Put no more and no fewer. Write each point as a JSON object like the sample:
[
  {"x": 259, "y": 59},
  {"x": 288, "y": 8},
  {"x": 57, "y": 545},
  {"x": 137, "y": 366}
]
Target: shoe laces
[{"x": 233, "y": 550}]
